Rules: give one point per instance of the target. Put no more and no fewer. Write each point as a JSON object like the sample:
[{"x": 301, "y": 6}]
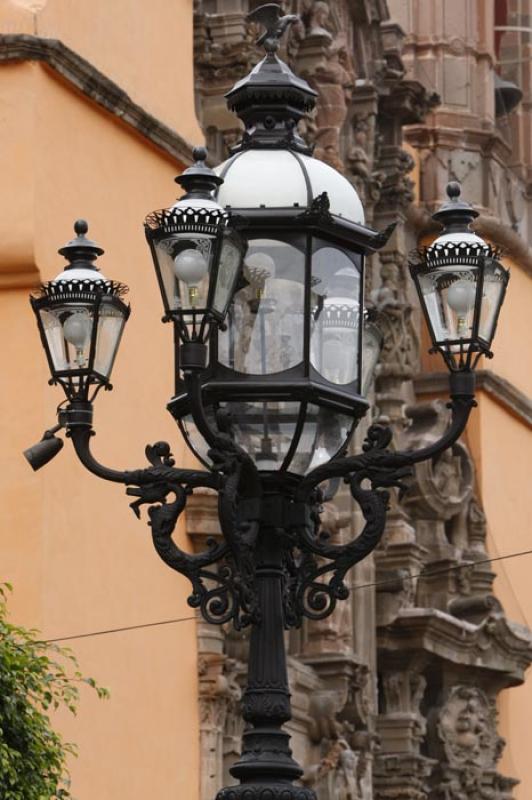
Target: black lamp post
[{"x": 261, "y": 267}]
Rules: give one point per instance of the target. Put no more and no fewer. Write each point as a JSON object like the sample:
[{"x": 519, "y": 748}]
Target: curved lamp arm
[
  {"x": 322, "y": 582},
  {"x": 162, "y": 469}
]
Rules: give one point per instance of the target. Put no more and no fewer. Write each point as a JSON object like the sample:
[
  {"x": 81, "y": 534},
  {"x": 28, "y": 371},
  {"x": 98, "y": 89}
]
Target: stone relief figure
[
  {"x": 401, "y": 340},
  {"x": 319, "y": 19},
  {"x": 358, "y": 156},
  {"x": 333, "y": 78},
  {"x": 467, "y": 728},
  {"x": 219, "y": 698},
  {"x": 340, "y": 774}
]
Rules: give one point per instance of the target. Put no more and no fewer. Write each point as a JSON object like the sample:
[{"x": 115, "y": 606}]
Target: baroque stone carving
[
  {"x": 442, "y": 623},
  {"x": 467, "y": 729},
  {"x": 219, "y": 696},
  {"x": 400, "y": 346}
]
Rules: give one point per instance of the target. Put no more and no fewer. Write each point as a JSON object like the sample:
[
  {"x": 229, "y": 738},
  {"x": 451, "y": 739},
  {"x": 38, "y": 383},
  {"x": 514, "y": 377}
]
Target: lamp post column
[{"x": 266, "y": 769}]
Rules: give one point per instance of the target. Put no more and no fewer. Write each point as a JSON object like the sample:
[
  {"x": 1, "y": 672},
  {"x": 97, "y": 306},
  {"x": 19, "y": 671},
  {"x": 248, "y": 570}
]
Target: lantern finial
[
  {"x": 199, "y": 181},
  {"x": 81, "y": 227},
  {"x": 455, "y": 215},
  {"x": 453, "y": 190},
  {"x": 81, "y": 249},
  {"x": 270, "y": 15}
]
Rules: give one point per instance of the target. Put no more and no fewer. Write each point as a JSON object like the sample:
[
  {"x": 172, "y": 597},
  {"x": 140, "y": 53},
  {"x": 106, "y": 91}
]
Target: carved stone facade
[{"x": 394, "y": 695}]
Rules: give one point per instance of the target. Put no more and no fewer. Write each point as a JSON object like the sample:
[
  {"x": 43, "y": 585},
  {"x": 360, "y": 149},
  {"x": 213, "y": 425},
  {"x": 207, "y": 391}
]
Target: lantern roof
[{"x": 281, "y": 178}]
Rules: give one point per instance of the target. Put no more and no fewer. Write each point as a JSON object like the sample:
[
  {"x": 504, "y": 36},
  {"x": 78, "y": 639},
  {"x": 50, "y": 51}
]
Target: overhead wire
[{"x": 416, "y": 576}]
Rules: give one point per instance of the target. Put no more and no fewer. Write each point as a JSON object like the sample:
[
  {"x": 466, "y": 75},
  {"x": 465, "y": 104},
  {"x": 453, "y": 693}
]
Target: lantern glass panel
[
  {"x": 267, "y": 431},
  {"x": 68, "y": 331},
  {"x": 495, "y": 279},
  {"x": 449, "y": 294},
  {"x": 111, "y": 321},
  {"x": 228, "y": 273},
  {"x": 265, "y": 324},
  {"x": 185, "y": 262},
  {"x": 371, "y": 348},
  {"x": 335, "y": 313},
  {"x": 324, "y": 433}
]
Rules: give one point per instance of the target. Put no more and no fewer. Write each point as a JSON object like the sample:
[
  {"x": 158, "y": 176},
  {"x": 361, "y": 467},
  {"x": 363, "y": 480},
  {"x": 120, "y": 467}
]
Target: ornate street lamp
[
  {"x": 261, "y": 270},
  {"x": 461, "y": 286}
]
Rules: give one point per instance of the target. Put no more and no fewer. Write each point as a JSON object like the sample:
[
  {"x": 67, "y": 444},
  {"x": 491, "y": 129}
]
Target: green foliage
[{"x": 35, "y": 678}]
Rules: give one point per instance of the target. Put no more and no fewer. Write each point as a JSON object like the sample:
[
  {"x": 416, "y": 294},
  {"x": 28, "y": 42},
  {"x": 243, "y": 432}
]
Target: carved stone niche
[
  {"x": 440, "y": 488},
  {"x": 463, "y": 738},
  {"x": 401, "y": 777},
  {"x": 401, "y": 725},
  {"x": 220, "y": 719}
]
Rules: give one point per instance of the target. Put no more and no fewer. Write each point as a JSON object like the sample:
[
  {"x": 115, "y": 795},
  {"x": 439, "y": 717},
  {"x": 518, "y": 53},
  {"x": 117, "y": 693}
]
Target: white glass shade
[{"x": 283, "y": 179}]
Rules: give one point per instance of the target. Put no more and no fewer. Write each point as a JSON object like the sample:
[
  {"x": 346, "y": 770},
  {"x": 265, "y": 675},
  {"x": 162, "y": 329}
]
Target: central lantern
[{"x": 284, "y": 370}]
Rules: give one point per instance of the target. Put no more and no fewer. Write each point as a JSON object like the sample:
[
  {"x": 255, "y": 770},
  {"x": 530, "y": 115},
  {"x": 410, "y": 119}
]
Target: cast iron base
[{"x": 257, "y": 791}]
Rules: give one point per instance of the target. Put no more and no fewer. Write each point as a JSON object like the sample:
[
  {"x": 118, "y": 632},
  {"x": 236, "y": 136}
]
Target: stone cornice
[
  {"x": 499, "y": 388},
  {"x": 96, "y": 86},
  {"x": 494, "y": 645}
]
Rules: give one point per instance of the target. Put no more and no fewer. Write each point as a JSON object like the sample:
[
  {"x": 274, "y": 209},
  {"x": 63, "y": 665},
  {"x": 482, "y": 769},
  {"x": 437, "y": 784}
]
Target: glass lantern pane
[
  {"x": 184, "y": 263},
  {"x": 53, "y": 331},
  {"x": 264, "y": 430},
  {"x": 495, "y": 278},
  {"x": 324, "y": 433},
  {"x": 68, "y": 331},
  {"x": 335, "y": 313},
  {"x": 371, "y": 348},
  {"x": 265, "y": 324},
  {"x": 449, "y": 294},
  {"x": 228, "y": 272},
  {"x": 111, "y": 321}
]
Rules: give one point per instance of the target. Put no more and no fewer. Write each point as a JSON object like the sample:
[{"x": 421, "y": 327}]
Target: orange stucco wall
[
  {"x": 504, "y": 484},
  {"x": 146, "y": 48},
  {"x": 78, "y": 558}
]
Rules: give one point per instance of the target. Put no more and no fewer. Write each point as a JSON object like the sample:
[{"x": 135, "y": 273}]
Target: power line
[
  {"x": 119, "y": 630},
  {"x": 468, "y": 565},
  {"x": 420, "y": 575}
]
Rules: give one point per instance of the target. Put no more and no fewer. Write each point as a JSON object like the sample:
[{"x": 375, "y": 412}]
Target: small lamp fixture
[
  {"x": 461, "y": 285},
  {"x": 197, "y": 257},
  {"x": 81, "y": 317}
]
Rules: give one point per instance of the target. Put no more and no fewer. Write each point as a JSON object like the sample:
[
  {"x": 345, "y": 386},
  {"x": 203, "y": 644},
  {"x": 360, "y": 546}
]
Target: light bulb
[
  {"x": 461, "y": 296},
  {"x": 190, "y": 266},
  {"x": 77, "y": 329},
  {"x": 261, "y": 264}
]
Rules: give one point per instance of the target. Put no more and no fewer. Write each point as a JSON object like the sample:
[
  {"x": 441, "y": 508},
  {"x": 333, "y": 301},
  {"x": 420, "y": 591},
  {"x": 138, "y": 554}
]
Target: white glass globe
[
  {"x": 77, "y": 329},
  {"x": 190, "y": 266},
  {"x": 461, "y": 296},
  {"x": 260, "y": 264}
]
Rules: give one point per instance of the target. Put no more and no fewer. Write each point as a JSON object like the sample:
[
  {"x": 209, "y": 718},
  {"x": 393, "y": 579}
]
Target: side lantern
[
  {"x": 81, "y": 318},
  {"x": 197, "y": 256},
  {"x": 461, "y": 285}
]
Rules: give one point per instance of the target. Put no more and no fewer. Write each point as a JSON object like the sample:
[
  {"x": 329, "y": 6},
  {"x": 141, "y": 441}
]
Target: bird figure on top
[{"x": 270, "y": 16}]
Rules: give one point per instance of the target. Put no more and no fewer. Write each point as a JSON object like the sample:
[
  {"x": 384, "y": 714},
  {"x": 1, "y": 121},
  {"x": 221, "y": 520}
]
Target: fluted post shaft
[{"x": 266, "y": 769}]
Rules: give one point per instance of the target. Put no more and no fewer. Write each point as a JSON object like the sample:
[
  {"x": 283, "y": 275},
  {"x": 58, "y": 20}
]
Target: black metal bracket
[{"x": 314, "y": 569}]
